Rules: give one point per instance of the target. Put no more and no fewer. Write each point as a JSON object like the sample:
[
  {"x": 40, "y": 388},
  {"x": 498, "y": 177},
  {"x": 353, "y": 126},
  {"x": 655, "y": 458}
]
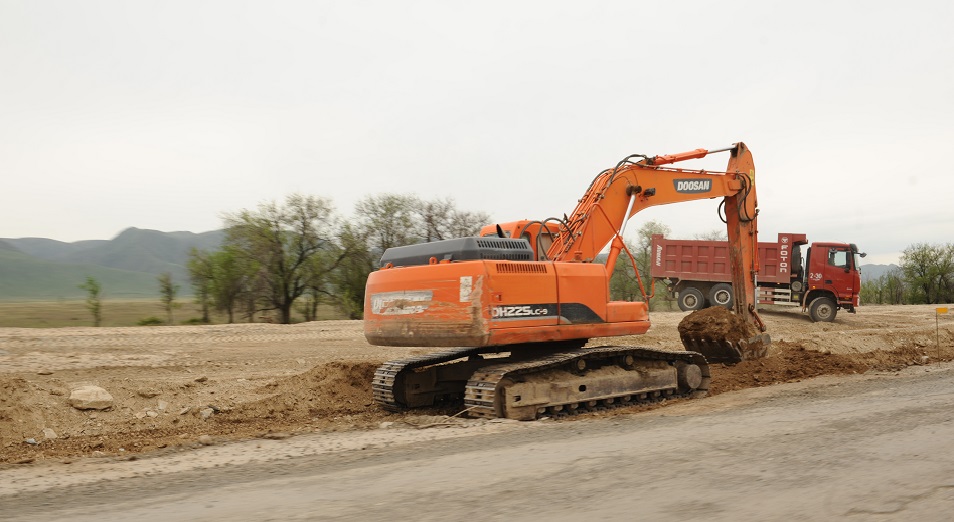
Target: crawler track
[
  {"x": 390, "y": 374},
  {"x": 525, "y": 387}
]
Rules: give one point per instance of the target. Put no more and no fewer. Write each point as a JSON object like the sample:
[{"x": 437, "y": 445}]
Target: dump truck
[{"x": 823, "y": 281}]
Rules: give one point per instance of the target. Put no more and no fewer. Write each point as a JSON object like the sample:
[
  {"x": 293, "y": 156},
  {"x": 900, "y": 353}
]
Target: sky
[{"x": 167, "y": 115}]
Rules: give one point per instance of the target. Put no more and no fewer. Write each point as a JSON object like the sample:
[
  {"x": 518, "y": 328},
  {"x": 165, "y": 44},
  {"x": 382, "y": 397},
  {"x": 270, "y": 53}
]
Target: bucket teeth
[{"x": 724, "y": 351}]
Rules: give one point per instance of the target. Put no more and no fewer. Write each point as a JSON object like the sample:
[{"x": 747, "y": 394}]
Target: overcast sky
[{"x": 165, "y": 115}]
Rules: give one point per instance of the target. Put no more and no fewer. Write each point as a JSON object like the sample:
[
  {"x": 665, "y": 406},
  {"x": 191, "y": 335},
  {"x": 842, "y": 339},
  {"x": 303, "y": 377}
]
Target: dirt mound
[
  {"x": 715, "y": 323},
  {"x": 789, "y": 362},
  {"x": 21, "y": 415},
  {"x": 324, "y": 393}
]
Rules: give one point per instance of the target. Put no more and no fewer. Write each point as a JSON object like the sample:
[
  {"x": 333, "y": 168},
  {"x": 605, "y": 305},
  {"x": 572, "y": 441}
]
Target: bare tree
[{"x": 716, "y": 234}]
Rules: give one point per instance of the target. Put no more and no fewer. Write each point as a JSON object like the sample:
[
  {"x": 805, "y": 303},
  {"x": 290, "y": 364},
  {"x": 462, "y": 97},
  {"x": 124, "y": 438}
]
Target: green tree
[
  {"x": 888, "y": 288},
  {"x": 234, "y": 279},
  {"x": 94, "y": 304},
  {"x": 282, "y": 241},
  {"x": 167, "y": 294},
  {"x": 623, "y": 284},
  {"x": 352, "y": 275},
  {"x": 201, "y": 276},
  {"x": 929, "y": 272}
]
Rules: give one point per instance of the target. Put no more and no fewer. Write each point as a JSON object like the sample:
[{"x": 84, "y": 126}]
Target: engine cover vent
[{"x": 461, "y": 249}]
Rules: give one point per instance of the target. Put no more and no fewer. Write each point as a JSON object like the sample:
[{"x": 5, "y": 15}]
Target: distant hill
[
  {"x": 127, "y": 266},
  {"x": 869, "y": 272}
]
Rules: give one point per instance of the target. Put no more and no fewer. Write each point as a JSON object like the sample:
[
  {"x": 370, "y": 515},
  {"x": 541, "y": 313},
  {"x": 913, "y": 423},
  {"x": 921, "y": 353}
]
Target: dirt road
[{"x": 872, "y": 447}]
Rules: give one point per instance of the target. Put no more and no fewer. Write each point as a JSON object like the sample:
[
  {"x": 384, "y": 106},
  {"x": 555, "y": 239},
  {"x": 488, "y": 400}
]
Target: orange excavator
[{"x": 516, "y": 309}]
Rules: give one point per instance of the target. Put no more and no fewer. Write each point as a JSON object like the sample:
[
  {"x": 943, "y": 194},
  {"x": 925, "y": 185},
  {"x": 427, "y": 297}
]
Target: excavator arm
[{"x": 617, "y": 194}]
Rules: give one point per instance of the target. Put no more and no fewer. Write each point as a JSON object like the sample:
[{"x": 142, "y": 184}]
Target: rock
[
  {"x": 44, "y": 372},
  {"x": 49, "y": 434},
  {"x": 90, "y": 398},
  {"x": 151, "y": 414},
  {"x": 206, "y": 440},
  {"x": 162, "y": 405},
  {"x": 277, "y": 435},
  {"x": 140, "y": 415},
  {"x": 385, "y": 425},
  {"x": 202, "y": 379},
  {"x": 31, "y": 441},
  {"x": 148, "y": 393},
  {"x": 205, "y": 413},
  {"x": 185, "y": 410}
]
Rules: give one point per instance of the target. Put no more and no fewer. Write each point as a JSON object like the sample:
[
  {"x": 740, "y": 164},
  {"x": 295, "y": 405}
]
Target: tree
[
  {"x": 167, "y": 294},
  {"x": 623, "y": 284},
  {"x": 888, "y": 288},
  {"x": 388, "y": 220},
  {"x": 440, "y": 219},
  {"x": 716, "y": 234},
  {"x": 384, "y": 221},
  {"x": 282, "y": 240},
  {"x": 201, "y": 277},
  {"x": 351, "y": 276},
  {"x": 93, "y": 303},
  {"x": 224, "y": 277},
  {"x": 929, "y": 272},
  {"x": 644, "y": 259}
]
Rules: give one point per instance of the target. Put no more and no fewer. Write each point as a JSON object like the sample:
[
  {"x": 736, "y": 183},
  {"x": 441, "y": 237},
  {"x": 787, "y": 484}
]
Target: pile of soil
[
  {"x": 789, "y": 362},
  {"x": 715, "y": 323}
]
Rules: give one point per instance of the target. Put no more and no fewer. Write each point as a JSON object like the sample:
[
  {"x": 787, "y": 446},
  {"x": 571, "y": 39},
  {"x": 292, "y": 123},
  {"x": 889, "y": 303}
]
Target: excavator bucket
[
  {"x": 721, "y": 336},
  {"x": 723, "y": 350}
]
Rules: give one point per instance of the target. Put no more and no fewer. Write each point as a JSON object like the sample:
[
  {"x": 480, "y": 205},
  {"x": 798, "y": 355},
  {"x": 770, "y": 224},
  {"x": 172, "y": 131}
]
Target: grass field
[{"x": 119, "y": 312}]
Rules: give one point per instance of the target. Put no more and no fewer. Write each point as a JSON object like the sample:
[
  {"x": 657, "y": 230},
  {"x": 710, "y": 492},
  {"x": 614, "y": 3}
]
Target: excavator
[{"x": 514, "y": 311}]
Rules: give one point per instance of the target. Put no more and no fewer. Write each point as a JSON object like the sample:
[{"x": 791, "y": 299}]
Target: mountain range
[
  {"x": 870, "y": 272},
  {"x": 126, "y": 266}
]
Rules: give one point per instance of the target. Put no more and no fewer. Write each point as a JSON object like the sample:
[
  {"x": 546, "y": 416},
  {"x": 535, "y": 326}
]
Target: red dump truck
[{"x": 825, "y": 280}]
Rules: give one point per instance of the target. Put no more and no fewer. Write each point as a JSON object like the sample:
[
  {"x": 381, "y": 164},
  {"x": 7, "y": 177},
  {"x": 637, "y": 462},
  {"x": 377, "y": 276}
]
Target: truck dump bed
[{"x": 696, "y": 260}]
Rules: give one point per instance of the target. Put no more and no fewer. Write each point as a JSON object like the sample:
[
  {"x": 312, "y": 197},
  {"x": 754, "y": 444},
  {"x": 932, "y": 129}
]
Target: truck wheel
[
  {"x": 721, "y": 295},
  {"x": 822, "y": 309},
  {"x": 691, "y": 299}
]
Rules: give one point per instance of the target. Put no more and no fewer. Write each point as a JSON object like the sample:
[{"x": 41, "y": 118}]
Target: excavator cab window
[{"x": 542, "y": 244}]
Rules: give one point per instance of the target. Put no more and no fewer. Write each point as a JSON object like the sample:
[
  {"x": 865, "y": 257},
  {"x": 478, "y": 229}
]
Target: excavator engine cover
[{"x": 461, "y": 249}]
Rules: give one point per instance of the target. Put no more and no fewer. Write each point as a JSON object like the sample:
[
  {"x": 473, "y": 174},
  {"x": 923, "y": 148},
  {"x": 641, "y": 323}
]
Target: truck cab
[{"x": 832, "y": 279}]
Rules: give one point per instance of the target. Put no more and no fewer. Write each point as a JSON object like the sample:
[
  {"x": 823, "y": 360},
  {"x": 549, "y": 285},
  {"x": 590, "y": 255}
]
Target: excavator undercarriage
[{"x": 531, "y": 382}]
